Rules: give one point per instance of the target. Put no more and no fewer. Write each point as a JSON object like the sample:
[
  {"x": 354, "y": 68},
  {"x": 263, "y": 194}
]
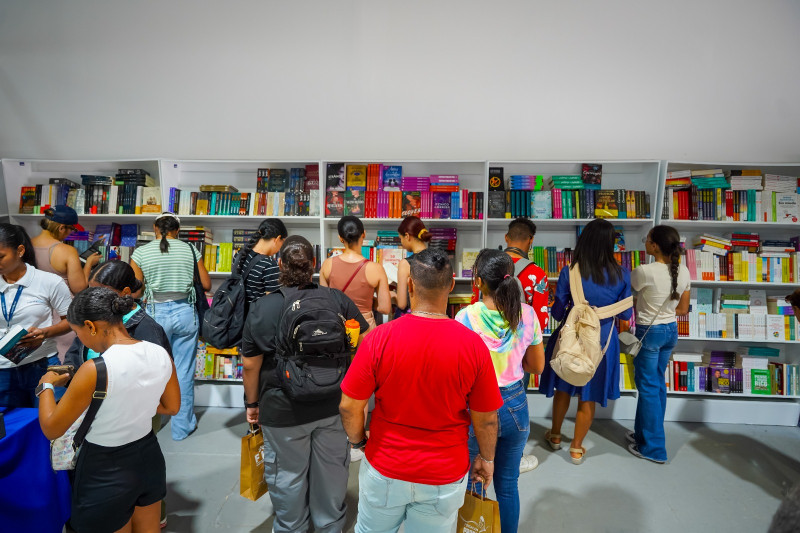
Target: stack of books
[
  {"x": 745, "y": 179},
  {"x": 217, "y": 364}
]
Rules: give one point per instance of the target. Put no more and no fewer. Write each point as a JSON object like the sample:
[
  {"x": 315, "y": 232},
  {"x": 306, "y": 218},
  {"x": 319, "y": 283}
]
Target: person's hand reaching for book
[{"x": 59, "y": 380}]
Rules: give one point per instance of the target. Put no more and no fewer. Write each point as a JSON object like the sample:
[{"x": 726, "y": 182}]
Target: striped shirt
[
  {"x": 167, "y": 276},
  {"x": 263, "y": 277}
]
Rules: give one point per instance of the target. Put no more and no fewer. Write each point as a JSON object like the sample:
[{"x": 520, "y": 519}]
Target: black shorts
[{"x": 111, "y": 481}]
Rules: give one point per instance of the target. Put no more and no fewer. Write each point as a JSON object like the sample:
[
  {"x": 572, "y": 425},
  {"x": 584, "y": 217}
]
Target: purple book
[{"x": 441, "y": 205}]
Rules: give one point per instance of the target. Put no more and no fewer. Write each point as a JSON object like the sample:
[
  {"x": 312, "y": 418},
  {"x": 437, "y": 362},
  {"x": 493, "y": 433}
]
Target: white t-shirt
[
  {"x": 42, "y": 294},
  {"x": 652, "y": 284},
  {"x": 137, "y": 376}
]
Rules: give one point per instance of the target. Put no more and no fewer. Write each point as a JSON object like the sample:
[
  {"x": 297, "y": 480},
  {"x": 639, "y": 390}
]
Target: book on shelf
[
  {"x": 335, "y": 177},
  {"x": 356, "y": 177},
  {"x": 354, "y": 203},
  {"x": 592, "y": 175},
  {"x": 468, "y": 257},
  {"x": 392, "y": 176},
  {"x": 562, "y": 203},
  {"x": 496, "y": 180}
]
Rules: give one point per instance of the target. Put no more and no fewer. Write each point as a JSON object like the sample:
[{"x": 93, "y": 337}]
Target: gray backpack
[{"x": 519, "y": 266}]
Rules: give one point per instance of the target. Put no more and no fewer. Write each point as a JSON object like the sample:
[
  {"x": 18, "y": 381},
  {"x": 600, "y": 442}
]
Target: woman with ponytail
[
  {"x": 414, "y": 237},
  {"x": 511, "y": 331},
  {"x": 662, "y": 291},
  {"x": 166, "y": 267},
  {"x": 260, "y": 252},
  {"x": 30, "y": 300},
  {"x": 120, "y": 475}
]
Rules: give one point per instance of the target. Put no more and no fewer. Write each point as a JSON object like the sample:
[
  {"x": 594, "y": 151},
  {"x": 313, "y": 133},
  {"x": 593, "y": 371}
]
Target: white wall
[{"x": 713, "y": 80}]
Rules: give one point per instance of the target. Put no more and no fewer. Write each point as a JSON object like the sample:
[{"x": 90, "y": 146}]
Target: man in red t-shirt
[{"x": 431, "y": 377}]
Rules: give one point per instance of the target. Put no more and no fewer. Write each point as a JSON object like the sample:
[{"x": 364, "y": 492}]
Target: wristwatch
[
  {"x": 250, "y": 405},
  {"x": 41, "y": 388},
  {"x": 358, "y": 445}
]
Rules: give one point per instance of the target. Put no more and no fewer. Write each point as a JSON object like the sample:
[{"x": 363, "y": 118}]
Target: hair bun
[{"x": 122, "y": 305}]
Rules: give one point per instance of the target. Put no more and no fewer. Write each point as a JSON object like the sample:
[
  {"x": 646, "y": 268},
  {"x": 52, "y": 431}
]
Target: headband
[{"x": 167, "y": 214}]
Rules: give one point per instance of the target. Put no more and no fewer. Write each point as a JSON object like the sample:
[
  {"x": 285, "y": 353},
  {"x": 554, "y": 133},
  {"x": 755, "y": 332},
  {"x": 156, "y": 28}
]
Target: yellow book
[{"x": 356, "y": 176}]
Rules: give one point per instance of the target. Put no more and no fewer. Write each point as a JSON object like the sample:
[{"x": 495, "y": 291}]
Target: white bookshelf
[{"x": 740, "y": 408}]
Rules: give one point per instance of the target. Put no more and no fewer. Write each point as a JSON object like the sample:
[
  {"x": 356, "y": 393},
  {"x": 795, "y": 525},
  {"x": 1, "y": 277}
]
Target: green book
[{"x": 760, "y": 381}]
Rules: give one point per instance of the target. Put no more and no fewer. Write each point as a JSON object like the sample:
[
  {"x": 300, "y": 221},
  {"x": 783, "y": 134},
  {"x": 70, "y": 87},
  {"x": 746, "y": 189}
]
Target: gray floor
[{"x": 720, "y": 477}]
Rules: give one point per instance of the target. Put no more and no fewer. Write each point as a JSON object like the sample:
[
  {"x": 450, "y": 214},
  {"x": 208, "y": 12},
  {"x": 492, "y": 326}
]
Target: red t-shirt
[
  {"x": 426, "y": 373},
  {"x": 534, "y": 285}
]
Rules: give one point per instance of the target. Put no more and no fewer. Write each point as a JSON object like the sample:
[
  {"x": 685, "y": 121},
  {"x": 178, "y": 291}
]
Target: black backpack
[
  {"x": 312, "y": 351},
  {"x": 223, "y": 322}
]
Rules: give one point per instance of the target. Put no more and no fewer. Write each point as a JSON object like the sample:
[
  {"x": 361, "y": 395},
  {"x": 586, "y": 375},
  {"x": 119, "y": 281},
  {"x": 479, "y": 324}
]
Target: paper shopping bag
[
  {"x": 251, "y": 474},
  {"x": 478, "y": 515}
]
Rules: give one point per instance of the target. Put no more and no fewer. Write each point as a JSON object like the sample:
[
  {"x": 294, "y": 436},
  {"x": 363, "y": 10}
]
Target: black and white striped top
[{"x": 263, "y": 277}]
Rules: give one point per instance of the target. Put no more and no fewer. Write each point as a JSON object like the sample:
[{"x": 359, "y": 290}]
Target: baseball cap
[{"x": 63, "y": 214}]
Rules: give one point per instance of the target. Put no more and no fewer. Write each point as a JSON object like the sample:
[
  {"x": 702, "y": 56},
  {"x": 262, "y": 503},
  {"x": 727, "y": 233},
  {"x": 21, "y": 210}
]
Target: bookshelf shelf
[
  {"x": 494, "y": 223},
  {"x": 731, "y": 225},
  {"x": 734, "y": 396},
  {"x": 394, "y": 222},
  {"x": 743, "y": 284},
  {"x": 249, "y": 221},
  {"x": 717, "y": 339},
  {"x": 219, "y": 380}
]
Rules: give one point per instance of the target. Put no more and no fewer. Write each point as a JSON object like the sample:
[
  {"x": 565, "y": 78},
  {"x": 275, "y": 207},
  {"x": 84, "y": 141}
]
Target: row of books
[
  {"x": 130, "y": 191},
  {"x": 742, "y": 266},
  {"x": 731, "y": 206},
  {"x": 233, "y": 203},
  {"x": 569, "y": 204},
  {"x": 455, "y": 205},
  {"x": 741, "y": 179},
  {"x": 591, "y": 177},
  {"x": 292, "y": 180},
  {"x": 372, "y": 177},
  {"x": 214, "y": 363},
  {"x": 742, "y": 326}
]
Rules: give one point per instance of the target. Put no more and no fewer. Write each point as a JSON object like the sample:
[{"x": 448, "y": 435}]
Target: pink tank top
[
  {"x": 359, "y": 290},
  {"x": 43, "y": 255}
]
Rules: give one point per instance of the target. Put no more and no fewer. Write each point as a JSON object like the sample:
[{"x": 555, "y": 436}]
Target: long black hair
[
  {"x": 13, "y": 236},
  {"x": 166, "y": 223},
  {"x": 350, "y": 229},
  {"x": 668, "y": 241},
  {"x": 297, "y": 261},
  {"x": 270, "y": 228},
  {"x": 594, "y": 253},
  {"x": 116, "y": 275},
  {"x": 496, "y": 269},
  {"x": 98, "y": 303}
]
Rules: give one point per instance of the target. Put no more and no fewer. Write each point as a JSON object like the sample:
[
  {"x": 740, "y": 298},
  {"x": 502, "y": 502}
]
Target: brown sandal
[
  {"x": 549, "y": 438},
  {"x": 577, "y": 460}
]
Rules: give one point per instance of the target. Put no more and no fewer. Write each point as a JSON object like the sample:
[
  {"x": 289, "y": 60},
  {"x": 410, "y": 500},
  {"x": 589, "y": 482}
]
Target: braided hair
[
  {"x": 270, "y": 228},
  {"x": 166, "y": 223},
  {"x": 668, "y": 241}
]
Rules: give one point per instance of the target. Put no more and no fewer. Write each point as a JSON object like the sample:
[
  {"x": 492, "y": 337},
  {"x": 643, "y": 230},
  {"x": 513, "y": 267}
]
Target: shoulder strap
[
  {"x": 521, "y": 265},
  {"x": 349, "y": 281},
  {"x": 654, "y": 318},
  {"x": 246, "y": 273},
  {"x": 576, "y": 285},
  {"x": 615, "y": 308},
  {"x": 97, "y": 398}
]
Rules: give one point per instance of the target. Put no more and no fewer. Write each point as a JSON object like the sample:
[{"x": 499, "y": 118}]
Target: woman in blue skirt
[{"x": 604, "y": 283}]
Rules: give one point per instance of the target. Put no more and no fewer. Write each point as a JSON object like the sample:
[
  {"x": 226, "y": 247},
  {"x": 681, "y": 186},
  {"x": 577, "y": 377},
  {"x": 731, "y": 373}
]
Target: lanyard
[{"x": 8, "y": 316}]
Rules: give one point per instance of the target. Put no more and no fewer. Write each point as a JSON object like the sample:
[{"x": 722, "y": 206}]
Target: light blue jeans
[
  {"x": 385, "y": 503},
  {"x": 179, "y": 320},
  {"x": 649, "y": 366}
]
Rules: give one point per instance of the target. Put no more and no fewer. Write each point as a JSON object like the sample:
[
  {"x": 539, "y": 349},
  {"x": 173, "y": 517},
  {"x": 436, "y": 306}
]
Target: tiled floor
[{"x": 720, "y": 477}]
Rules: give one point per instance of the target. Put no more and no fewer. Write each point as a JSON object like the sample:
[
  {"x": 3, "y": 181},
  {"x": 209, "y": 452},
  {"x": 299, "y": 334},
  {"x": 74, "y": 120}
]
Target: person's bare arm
[
  {"x": 251, "y": 376},
  {"x": 533, "y": 362},
  {"x": 205, "y": 279},
  {"x": 56, "y": 418},
  {"x": 485, "y": 425},
  {"x": 683, "y": 304},
  {"x": 353, "y": 418},
  {"x": 324, "y": 272},
  {"x": 77, "y": 274},
  {"x": 170, "y": 402},
  {"x": 403, "y": 271},
  {"x": 140, "y": 276},
  {"x": 384, "y": 297}
]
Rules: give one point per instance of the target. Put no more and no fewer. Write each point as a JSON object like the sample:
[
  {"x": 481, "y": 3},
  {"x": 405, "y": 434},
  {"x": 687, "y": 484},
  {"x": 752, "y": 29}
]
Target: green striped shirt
[{"x": 167, "y": 276}]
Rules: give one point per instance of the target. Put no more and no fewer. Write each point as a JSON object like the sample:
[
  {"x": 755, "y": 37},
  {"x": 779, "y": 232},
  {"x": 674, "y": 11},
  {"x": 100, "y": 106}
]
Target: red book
[
  {"x": 676, "y": 376},
  {"x": 684, "y": 375}
]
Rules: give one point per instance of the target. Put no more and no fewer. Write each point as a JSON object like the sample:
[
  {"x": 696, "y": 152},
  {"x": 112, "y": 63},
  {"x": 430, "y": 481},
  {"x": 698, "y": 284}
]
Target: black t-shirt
[
  {"x": 275, "y": 409},
  {"x": 263, "y": 277}
]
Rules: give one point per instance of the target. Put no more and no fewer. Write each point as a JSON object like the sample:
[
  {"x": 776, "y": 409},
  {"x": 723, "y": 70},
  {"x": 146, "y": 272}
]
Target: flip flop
[
  {"x": 577, "y": 460},
  {"x": 548, "y": 437}
]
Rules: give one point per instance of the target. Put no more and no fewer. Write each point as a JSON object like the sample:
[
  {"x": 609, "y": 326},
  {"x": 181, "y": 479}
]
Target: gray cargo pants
[{"x": 306, "y": 468}]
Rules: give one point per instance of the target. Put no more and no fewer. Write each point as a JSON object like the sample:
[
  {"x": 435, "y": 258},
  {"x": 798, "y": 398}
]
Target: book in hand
[{"x": 11, "y": 349}]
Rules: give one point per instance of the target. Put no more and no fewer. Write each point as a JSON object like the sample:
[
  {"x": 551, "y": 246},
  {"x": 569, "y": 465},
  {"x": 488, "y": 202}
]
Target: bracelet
[
  {"x": 251, "y": 405},
  {"x": 485, "y": 460}
]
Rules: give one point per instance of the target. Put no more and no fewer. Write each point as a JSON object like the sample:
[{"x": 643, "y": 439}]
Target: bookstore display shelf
[
  {"x": 702, "y": 225},
  {"x": 726, "y": 339},
  {"x": 87, "y": 218},
  {"x": 732, "y": 395},
  {"x": 494, "y": 223},
  {"x": 767, "y": 284},
  {"x": 428, "y": 221},
  {"x": 251, "y": 220},
  {"x": 223, "y": 380}
]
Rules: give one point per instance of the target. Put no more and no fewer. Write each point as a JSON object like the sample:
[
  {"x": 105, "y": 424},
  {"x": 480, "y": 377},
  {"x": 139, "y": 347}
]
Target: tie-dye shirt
[{"x": 506, "y": 347}]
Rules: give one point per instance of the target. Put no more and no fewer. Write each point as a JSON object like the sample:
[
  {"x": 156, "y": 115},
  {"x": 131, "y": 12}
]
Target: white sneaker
[
  {"x": 528, "y": 463},
  {"x": 356, "y": 455}
]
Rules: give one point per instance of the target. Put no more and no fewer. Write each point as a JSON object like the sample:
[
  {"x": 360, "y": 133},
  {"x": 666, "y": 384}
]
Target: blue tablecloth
[{"x": 32, "y": 496}]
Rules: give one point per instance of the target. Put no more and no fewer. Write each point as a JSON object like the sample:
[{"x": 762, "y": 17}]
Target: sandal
[
  {"x": 577, "y": 460},
  {"x": 549, "y": 438}
]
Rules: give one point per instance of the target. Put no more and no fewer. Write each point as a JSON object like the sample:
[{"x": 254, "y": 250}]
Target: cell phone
[
  {"x": 91, "y": 250},
  {"x": 62, "y": 369}
]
